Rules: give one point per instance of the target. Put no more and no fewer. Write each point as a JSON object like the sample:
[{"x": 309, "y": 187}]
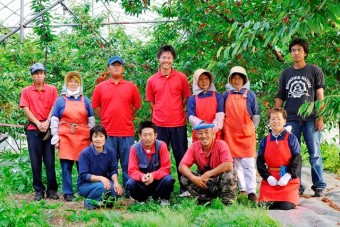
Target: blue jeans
[
  {"x": 157, "y": 189},
  {"x": 66, "y": 175},
  {"x": 95, "y": 191},
  {"x": 120, "y": 146},
  {"x": 312, "y": 139},
  {"x": 41, "y": 151},
  {"x": 177, "y": 137}
]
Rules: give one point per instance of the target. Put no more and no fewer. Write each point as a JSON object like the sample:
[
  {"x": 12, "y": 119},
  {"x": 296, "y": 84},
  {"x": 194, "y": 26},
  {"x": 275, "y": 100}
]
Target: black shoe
[
  {"x": 319, "y": 193},
  {"x": 39, "y": 196},
  {"x": 69, "y": 197},
  {"x": 52, "y": 195},
  {"x": 252, "y": 197}
]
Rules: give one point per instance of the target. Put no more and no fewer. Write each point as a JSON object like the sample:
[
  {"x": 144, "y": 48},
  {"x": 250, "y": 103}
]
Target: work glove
[
  {"x": 284, "y": 179},
  {"x": 218, "y": 121},
  {"x": 195, "y": 120},
  {"x": 272, "y": 181}
]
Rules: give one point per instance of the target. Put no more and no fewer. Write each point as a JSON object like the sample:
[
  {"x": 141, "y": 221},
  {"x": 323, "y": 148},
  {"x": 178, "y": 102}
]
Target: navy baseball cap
[
  {"x": 204, "y": 126},
  {"x": 36, "y": 67},
  {"x": 114, "y": 59}
]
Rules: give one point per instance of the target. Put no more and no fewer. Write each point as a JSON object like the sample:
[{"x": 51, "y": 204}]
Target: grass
[{"x": 17, "y": 210}]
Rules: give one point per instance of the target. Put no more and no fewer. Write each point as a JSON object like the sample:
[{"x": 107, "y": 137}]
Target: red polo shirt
[
  {"x": 40, "y": 103},
  {"x": 167, "y": 93},
  {"x": 165, "y": 164},
  {"x": 219, "y": 153},
  {"x": 116, "y": 102}
]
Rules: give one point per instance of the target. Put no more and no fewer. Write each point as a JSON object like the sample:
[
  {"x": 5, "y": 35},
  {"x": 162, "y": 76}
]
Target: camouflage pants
[{"x": 223, "y": 186}]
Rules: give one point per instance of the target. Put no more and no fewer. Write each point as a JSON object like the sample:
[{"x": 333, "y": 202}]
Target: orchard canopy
[{"x": 211, "y": 34}]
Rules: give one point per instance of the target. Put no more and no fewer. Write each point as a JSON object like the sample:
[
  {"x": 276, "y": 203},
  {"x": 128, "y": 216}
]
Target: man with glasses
[{"x": 214, "y": 176}]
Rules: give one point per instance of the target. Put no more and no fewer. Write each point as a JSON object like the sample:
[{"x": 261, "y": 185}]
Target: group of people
[{"x": 224, "y": 138}]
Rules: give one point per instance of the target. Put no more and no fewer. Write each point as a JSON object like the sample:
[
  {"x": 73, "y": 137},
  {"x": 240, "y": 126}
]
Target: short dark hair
[
  {"x": 146, "y": 124},
  {"x": 301, "y": 42},
  {"x": 166, "y": 48},
  {"x": 278, "y": 110},
  {"x": 96, "y": 129}
]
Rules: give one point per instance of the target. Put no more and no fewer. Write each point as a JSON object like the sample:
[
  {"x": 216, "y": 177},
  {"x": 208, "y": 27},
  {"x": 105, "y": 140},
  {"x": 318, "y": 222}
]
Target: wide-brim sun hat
[
  {"x": 239, "y": 70},
  {"x": 74, "y": 75}
]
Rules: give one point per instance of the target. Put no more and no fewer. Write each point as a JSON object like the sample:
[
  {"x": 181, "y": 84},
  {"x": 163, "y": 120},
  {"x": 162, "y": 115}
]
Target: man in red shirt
[
  {"x": 37, "y": 101},
  {"x": 167, "y": 91},
  {"x": 215, "y": 176},
  {"x": 149, "y": 167},
  {"x": 116, "y": 102}
]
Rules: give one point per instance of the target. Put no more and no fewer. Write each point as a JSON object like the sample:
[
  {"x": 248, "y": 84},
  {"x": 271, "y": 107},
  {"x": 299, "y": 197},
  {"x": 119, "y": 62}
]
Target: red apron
[
  {"x": 276, "y": 154},
  {"x": 238, "y": 128},
  {"x": 206, "y": 110},
  {"x": 74, "y": 133}
]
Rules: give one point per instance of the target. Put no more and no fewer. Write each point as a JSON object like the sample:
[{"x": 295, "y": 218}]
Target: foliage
[{"x": 222, "y": 35}]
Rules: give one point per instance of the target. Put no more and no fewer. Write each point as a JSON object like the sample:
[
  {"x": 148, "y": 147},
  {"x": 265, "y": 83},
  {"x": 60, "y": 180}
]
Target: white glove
[
  {"x": 194, "y": 120},
  {"x": 256, "y": 120},
  {"x": 218, "y": 121},
  {"x": 55, "y": 139},
  {"x": 90, "y": 121},
  {"x": 284, "y": 179},
  {"x": 272, "y": 181},
  {"x": 54, "y": 125}
]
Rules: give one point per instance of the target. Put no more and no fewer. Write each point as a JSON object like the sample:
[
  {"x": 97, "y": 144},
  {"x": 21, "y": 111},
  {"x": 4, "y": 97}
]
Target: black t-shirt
[{"x": 297, "y": 86}]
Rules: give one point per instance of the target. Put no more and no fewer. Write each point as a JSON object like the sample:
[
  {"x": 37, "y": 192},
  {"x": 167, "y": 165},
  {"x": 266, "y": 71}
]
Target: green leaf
[
  {"x": 219, "y": 52},
  {"x": 226, "y": 52},
  {"x": 256, "y": 26},
  {"x": 314, "y": 26},
  {"x": 268, "y": 39}
]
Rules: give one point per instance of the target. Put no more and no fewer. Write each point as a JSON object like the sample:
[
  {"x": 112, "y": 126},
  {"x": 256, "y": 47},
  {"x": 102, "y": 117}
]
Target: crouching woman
[
  {"x": 98, "y": 171},
  {"x": 279, "y": 164}
]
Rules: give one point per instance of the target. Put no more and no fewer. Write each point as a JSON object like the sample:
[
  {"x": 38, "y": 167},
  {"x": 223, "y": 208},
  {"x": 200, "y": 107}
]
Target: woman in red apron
[
  {"x": 205, "y": 105},
  {"x": 242, "y": 116},
  {"x": 279, "y": 164},
  {"x": 71, "y": 121}
]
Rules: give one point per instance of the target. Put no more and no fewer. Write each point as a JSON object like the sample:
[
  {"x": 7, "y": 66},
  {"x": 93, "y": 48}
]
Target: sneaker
[
  {"x": 319, "y": 193},
  {"x": 164, "y": 202},
  {"x": 252, "y": 197},
  {"x": 184, "y": 194},
  {"x": 243, "y": 193},
  {"x": 69, "y": 197},
  {"x": 52, "y": 195},
  {"x": 39, "y": 196}
]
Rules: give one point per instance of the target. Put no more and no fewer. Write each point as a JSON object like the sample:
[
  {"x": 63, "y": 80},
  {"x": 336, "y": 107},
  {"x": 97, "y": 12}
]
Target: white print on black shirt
[{"x": 298, "y": 86}]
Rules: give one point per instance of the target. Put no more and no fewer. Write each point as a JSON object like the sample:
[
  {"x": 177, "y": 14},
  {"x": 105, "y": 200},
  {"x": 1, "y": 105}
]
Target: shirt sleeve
[
  {"x": 319, "y": 78},
  {"x": 113, "y": 166},
  {"x": 150, "y": 97},
  {"x": 294, "y": 144},
  {"x": 165, "y": 163},
  {"x": 84, "y": 167},
  {"x": 133, "y": 169},
  {"x": 188, "y": 160},
  {"x": 89, "y": 108},
  {"x": 59, "y": 107},
  {"x": 225, "y": 154},
  {"x": 54, "y": 94},
  {"x": 220, "y": 102},
  {"x": 137, "y": 103},
  {"x": 186, "y": 88},
  {"x": 24, "y": 100},
  {"x": 262, "y": 146},
  {"x": 191, "y": 107},
  {"x": 252, "y": 102},
  {"x": 96, "y": 97}
]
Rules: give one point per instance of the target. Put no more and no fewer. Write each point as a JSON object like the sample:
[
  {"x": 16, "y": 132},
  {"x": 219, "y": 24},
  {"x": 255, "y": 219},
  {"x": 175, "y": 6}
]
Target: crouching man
[
  {"x": 149, "y": 167},
  {"x": 215, "y": 176}
]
